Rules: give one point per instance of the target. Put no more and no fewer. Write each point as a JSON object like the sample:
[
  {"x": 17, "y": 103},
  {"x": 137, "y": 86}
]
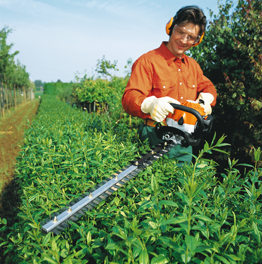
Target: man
[{"x": 166, "y": 75}]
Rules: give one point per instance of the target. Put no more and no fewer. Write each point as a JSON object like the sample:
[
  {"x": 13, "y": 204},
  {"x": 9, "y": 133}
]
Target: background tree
[
  {"x": 104, "y": 67},
  {"x": 15, "y": 85},
  {"x": 230, "y": 56},
  {"x": 128, "y": 67},
  {"x": 6, "y": 57}
]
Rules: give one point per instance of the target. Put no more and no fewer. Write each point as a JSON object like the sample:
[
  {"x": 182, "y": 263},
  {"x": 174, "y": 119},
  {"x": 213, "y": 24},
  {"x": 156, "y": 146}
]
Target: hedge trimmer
[{"x": 187, "y": 126}]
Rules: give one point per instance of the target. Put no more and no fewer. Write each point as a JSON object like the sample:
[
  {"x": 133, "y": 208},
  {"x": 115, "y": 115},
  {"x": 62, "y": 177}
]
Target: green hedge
[{"x": 166, "y": 214}]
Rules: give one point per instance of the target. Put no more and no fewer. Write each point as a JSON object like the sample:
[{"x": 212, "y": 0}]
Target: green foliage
[
  {"x": 12, "y": 74},
  {"x": 106, "y": 95},
  {"x": 167, "y": 214},
  {"x": 7, "y": 58},
  {"x": 100, "y": 96},
  {"x": 104, "y": 67},
  {"x": 62, "y": 90},
  {"x": 89, "y": 90},
  {"x": 38, "y": 84},
  {"x": 64, "y": 147},
  {"x": 128, "y": 67},
  {"x": 15, "y": 85},
  {"x": 230, "y": 56}
]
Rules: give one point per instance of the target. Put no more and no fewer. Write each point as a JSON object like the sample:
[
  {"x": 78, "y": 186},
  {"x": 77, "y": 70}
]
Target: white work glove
[
  {"x": 207, "y": 98},
  {"x": 158, "y": 108}
]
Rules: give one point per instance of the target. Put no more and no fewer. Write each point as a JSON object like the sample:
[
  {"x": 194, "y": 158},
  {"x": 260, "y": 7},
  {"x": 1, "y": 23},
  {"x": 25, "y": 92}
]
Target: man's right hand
[{"x": 158, "y": 108}]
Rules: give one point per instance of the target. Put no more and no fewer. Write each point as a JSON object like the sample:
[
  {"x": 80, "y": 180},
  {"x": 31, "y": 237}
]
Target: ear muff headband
[{"x": 169, "y": 25}]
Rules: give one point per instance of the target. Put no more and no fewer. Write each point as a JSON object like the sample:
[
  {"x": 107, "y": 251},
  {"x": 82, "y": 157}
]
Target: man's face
[{"x": 183, "y": 38}]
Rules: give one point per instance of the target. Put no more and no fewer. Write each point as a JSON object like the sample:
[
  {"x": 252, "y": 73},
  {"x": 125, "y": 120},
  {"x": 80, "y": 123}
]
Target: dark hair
[{"x": 192, "y": 14}]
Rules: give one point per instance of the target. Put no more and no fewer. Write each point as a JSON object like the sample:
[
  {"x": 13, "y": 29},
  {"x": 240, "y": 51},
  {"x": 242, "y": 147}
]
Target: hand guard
[{"x": 158, "y": 108}]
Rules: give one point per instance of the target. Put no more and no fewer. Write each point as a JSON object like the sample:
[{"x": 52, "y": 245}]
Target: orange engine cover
[{"x": 183, "y": 120}]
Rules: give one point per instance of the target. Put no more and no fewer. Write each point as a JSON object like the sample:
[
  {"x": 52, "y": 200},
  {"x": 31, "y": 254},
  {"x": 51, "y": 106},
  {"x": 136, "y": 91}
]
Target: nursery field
[{"x": 166, "y": 214}]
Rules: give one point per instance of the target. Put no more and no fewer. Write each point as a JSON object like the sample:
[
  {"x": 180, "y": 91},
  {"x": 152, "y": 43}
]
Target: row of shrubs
[{"x": 166, "y": 214}]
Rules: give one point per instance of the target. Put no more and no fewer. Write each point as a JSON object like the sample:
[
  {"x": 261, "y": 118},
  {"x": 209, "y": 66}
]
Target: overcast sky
[{"x": 58, "y": 39}]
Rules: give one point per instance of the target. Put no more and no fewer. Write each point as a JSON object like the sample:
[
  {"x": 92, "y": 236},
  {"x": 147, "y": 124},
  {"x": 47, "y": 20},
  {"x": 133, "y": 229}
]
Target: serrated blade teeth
[
  {"x": 103, "y": 196},
  {"x": 96, "y": 201},
  {"x": 72, "y": 218},
  {"x": 109, "y": 192}
]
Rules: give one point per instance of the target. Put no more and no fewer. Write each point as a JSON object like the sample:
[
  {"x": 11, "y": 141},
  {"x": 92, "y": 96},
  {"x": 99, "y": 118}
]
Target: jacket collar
[{"x": 168, "y": 55}]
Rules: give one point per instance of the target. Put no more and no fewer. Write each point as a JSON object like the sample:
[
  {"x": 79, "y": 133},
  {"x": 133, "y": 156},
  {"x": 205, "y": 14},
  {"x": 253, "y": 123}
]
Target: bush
[{"x": 230, "y": 56}]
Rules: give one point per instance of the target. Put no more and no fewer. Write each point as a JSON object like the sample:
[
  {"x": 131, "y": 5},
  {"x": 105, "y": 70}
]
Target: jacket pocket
[
  {"x": 162, "y": 88},
  {"x": 191, "y": 90}
]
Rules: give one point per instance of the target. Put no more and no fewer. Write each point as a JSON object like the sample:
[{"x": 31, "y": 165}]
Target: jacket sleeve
[
  {"x": 205, "y": 85},
  {"x": 138, "y": 88}
]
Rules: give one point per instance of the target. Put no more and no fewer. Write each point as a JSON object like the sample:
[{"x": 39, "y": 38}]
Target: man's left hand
[{"x": 205, "y": 100}]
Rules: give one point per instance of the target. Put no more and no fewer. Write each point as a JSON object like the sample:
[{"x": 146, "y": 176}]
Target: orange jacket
[{"x": 160, "y": 73}]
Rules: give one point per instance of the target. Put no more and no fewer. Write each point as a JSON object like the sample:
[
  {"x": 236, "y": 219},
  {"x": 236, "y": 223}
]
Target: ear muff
[
  {"x": 169, "y": 25},
  {"x": 200, "y": 40}
]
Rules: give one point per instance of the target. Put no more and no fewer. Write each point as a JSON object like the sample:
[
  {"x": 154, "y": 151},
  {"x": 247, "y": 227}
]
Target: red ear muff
[
  {"x": 168, "y": 25},
  {"x": 200, "y": 40}
]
